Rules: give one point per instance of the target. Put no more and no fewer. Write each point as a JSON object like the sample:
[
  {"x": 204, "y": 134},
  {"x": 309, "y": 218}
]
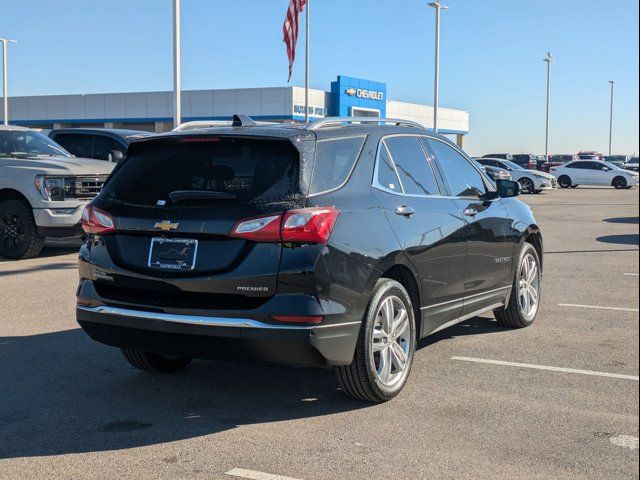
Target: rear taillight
[
  {"x": 307, "y": 225},
  {"x": 96, "y": 221}
]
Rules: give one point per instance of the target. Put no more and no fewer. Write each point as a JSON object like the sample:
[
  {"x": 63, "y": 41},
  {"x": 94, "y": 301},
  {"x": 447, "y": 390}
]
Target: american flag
[{"x": 290, "y": 30}]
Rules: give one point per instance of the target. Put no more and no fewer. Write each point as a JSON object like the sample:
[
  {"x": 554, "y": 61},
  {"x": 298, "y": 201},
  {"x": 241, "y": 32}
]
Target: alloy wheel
[
  {"x": 529, "y": 286},
  {"x": 391, "y": 341},
  {"x": 12, "y": 234},
  {"x": 526, "y": 185}
]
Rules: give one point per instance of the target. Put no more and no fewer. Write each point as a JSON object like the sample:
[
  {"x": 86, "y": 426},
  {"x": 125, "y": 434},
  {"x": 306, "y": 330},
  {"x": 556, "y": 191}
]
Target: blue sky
[{"x": 491, "y": 57}]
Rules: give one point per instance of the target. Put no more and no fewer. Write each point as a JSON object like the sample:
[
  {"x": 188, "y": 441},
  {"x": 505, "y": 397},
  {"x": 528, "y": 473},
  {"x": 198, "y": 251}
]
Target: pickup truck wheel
[
  {"x": 385, "y": 348},
  {"x": 19, "y": 236},
  {"x": 153, "y": 362},
  {"x": 525, "y": 295}
]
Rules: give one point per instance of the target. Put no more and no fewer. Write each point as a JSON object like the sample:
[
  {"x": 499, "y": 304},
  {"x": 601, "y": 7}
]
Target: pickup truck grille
[{"x": 83, "y": 187}]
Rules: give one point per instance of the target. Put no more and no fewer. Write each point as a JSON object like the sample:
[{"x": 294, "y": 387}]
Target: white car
[
  {"x": 531, "y": 181},
  {"x": 43, "y": 190},
  {"x": 593, "y": 172}
]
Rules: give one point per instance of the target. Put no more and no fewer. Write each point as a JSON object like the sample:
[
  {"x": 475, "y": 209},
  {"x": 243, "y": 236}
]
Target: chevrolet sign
[{"x": 361, "y": 93}]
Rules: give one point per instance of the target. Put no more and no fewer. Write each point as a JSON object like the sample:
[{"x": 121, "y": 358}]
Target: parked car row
[{"x": 537, "y": 162}]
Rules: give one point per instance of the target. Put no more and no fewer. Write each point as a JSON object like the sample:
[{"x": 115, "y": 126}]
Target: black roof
[{"x": 119, "y": 132}]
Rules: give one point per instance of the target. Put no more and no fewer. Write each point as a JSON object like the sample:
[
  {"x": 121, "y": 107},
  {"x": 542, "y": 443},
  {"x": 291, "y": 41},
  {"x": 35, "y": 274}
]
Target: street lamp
[
  {"x": 5, "y": 88},
  {"x": 548, "y": 59},
  {"x": 436, "y": 82},
  {"x": 613, "y": 83},
  {"x": 177, "y": 105}
]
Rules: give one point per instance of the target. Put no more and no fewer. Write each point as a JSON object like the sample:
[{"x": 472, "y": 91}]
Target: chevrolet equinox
[{"x": 337, "y": 244}]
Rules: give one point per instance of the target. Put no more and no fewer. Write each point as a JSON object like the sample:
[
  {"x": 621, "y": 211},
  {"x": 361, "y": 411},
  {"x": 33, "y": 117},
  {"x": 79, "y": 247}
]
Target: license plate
[{"x": 173, "y": 253}]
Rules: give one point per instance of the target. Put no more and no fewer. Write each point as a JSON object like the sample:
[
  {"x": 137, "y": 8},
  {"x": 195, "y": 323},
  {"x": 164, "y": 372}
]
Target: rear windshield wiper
[{"x": 185, "y": 195}]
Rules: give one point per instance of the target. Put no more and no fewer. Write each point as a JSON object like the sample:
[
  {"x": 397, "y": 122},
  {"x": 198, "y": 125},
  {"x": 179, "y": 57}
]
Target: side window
[
  {"x": 102, "y": 146},
  {"x": 334, "y": 161},
  {"x": 414, "y": 169},
  {"x": 77, "y": 144},
  {"x": 579, "y": 165},
  {"x": 387, "y": 177},
  {"x": 463, "y": 179}
]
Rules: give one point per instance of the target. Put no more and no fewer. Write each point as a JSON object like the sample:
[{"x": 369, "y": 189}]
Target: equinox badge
[{"x": 166, "y": 225}]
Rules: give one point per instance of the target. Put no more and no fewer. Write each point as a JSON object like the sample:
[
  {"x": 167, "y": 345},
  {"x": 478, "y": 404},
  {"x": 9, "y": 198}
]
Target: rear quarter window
[{"x": 334, "y": 161}]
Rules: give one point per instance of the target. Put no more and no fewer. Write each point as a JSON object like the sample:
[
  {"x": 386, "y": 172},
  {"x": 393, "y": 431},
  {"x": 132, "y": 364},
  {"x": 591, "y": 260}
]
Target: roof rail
[
  {"x": 337, "y": 121},
  {"x": 202, "y": 124},
  {"x": 238, "y": 120}
]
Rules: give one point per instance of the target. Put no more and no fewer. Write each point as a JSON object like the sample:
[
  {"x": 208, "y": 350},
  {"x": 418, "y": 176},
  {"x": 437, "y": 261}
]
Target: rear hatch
[{"x": 174, "y": 202}]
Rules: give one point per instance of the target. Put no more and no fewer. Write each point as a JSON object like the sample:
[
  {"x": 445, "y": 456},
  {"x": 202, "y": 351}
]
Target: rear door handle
[
  {"x": 405, "y": 211},
  {"x": 470, "y": 212}
]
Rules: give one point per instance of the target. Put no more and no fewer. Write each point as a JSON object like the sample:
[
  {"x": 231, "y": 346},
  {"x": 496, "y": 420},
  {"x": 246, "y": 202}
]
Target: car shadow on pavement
[
  {"x": 627, "y": 239},
  {"x": 39, "y": 268},
  {"x": 53, "y": 250},
  {"x": 63, "y": 393},
  {"x": 625, "y": 220},
  {"x": 473, "y": 326}
]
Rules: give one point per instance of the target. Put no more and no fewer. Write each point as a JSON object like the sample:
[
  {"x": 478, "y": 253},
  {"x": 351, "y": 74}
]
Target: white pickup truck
[{"x": 43, "y": 190}]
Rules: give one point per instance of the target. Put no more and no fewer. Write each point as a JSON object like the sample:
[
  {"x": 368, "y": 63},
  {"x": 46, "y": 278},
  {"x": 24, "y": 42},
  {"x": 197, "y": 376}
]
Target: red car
[{"x": 557, "y": 160}]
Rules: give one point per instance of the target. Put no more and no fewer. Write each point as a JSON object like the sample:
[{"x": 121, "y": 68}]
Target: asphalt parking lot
[{"x": 72, "y": 408}]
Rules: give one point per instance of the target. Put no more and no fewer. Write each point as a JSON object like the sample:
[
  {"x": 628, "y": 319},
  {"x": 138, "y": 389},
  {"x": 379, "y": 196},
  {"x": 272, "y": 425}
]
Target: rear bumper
[{"x": 220, "y": 338}]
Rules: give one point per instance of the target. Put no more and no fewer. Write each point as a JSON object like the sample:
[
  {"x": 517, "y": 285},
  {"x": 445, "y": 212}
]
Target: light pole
[
  {"x": 613, "y": 83},
  {"x": 436, "y": 82},
  {"x": 177, "y": 105},
  {"x": 5, "y": 88},
  {"x": 548, "y": 59}
]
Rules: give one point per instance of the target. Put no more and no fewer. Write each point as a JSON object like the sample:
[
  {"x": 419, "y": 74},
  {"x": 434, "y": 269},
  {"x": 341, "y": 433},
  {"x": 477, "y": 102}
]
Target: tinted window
[
  {"x": 414, "y": 169},
  {"x": 243, "y": 170},
  {"x": 463, "y": 179},
  {"x": 387, "y": 177},
  {"x": 334, "y": 161},
  {"x": 102, "y": 146},
  {"x": 78, "y": 144},
  {"x": 580, "y": 165}
]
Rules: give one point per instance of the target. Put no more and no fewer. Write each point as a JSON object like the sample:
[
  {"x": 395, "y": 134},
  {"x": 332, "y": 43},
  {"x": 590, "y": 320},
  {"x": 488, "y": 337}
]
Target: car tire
[
  {"x": 527, "y": 185},
  {"x": 19, "y": 237},
  {"x": 565, "y": 181},
  {"x": 371, "y": 377},
  {"x": 517, "y": 313},
  {"x": 619, "y": 183},
  {"x": 154, "y": 362}
]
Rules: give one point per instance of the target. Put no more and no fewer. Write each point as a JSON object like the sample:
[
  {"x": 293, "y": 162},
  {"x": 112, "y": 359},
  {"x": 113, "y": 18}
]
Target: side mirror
[
  {"x": 507, "y": 188},
  {"x": 114, "y": 156},
  {"x": 606, "y": 169}
]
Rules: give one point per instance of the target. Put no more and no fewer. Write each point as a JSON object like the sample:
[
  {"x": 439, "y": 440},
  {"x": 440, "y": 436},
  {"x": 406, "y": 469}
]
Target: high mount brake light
[
  {"x": 96, "y": 221},
  {"x": 306, "y": 225}
]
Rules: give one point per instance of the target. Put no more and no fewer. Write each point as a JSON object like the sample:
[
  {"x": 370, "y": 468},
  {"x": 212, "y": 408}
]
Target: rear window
[
  {"x": 239, "y": 170},
  {"x": 335, "y": 159}
]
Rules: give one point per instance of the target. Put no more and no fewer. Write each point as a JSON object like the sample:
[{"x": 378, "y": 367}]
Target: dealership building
[{"x": 153, "y": 111}]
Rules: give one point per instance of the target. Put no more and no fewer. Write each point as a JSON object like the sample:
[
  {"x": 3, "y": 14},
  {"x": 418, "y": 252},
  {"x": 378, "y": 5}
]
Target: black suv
[
  {"x": 338, "y": 244},
  {"x": 100, "y": 143}
]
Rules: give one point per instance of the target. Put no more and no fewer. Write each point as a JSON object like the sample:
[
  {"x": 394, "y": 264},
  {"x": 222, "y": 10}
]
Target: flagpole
[{"x": 306, "y": 75}]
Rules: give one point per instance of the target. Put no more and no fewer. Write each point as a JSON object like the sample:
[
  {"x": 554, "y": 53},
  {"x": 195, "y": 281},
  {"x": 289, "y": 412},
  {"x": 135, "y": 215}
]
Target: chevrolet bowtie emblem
[
  {"x": 166, "y": 225},
  {"x": 350, "y": 91}
]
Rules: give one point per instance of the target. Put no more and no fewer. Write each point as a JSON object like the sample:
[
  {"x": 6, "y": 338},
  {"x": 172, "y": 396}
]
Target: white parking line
[
  {"x": 596, "y": 307},
  {"x": 545, "y": 367},
  {"x": 253, "y": 475},
  {"x": 631, "y": 274},
  {"x": 625, "y": 441}
]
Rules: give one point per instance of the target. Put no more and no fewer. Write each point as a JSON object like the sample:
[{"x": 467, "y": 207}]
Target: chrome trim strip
[
  {"x": 466, "y": 317},
  {"x": 201, "y": 320},
  {"x": 466, "y": 298}
]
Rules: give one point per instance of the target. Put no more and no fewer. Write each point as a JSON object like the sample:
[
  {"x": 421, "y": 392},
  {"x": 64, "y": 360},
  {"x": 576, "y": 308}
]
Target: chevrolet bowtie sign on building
[{"x": 361, "y": 93}]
